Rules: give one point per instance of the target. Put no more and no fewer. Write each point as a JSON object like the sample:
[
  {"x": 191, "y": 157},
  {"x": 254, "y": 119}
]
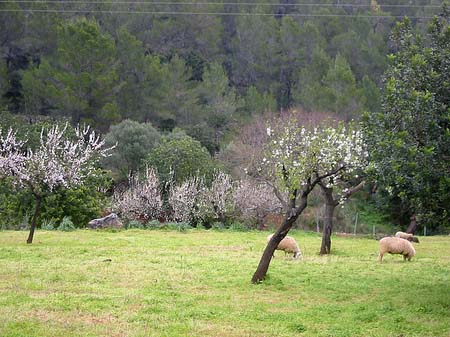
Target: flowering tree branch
[
  {"x": 300, "y": 158},
  {"x": 142, "y": 200},
  {"x": 59, "y": 161}
]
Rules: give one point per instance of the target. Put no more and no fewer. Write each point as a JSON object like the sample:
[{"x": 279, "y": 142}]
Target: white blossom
[
  {"x": 217, "y": 201},
  {"x": 142, "y": 200},
  {"x": 58, "y": 161},
  {"x": 183, "y": 199},
  {"x": 11, "y": 154},
  {"x": 254, "y": 201},
  {"x": 298, "y": 154}
]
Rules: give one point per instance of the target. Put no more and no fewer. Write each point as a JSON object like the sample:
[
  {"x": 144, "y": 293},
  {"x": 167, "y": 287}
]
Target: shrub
[
  {"x": 142, "y": 200},
  {"x": 216, "y": 203},
  {"x": 134, "y": 142},
  {"x": 48, "y": 225},
  {"x": 66, "y": 225},
  {"x": 183, "y": 199},
  {"x": 179, "y": 158},
  {"x": 135, "y": 224},
  {"x": 82, "y": 203},
  {"x": 153, "y": 224}
]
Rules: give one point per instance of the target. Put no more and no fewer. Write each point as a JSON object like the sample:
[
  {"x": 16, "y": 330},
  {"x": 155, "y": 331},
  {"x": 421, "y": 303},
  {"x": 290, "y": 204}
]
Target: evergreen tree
[
  {"x": 256, "y": 50},
  {"x": 4, "y": 83},
  {"x": 179, "y": 102},
  {"x": 410, "y": 138},
  {"x": 309, "y": 89},
  {"x": 133, "y": 141},
  {"x": 255, "y": 103},
  {"x": 79, "y": 79},
  {"x": 297, "y": 43},
  {"x": 341, "y": 93},
  {"x": 132, "y": 74},
  {"x": 218, "y": 99}
]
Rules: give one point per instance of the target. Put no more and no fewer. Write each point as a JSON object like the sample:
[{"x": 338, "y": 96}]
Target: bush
[
  {"x": 14, "y": 206},
  {"x": 142, "y": 200},
  {"x": 66, "y": 225},
  {"x": 134, "y": 142},
  {"x": 134, "y": 224},
  {"x": 181, "y": 158},
  {"x": 81, "y": 204},
  {"x": 153, "y": 224},
  {"x": 48, "y": 225}
]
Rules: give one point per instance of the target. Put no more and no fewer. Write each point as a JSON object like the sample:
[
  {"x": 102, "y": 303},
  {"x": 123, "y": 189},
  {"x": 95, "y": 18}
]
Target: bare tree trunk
[
  {"x": 330, "y": 205},
  {"x": 37, "y": 210},
  {"x": 279, "y": 235},
  {"x": 327, "y": 229},
  {"x": 412, "y": 228}
]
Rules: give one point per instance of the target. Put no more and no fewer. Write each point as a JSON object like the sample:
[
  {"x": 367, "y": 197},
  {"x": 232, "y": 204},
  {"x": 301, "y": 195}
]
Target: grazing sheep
[
  {"x": 407, "y": 236},
  {"x": 288, "y": 245},
  {"x": 394, "y": 245}
]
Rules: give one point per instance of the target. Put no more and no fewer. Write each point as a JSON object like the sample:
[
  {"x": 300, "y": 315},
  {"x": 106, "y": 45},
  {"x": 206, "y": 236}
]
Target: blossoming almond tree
[
  {"x": 300, "y": 158},
  {"x": 11, "y": 154},
  {"x": 142, "y": 200},
  {"x": 183, "y": 199},
  {"x": 255, "y": 200},
  {"x": 193, "y": 201},
  {"x": 217, "y": 201},
  {"x": 59, "y": 161}
]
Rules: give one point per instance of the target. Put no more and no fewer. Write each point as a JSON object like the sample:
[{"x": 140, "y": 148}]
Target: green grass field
[{"x": 169, "y": 283}]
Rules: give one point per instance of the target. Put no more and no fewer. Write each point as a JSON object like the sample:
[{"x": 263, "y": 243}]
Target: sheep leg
[{"x": 380, "y": 257}]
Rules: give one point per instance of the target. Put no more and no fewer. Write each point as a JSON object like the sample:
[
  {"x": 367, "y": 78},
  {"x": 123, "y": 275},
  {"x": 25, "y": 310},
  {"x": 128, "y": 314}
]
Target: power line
[
  {"x": 209, "y": 13},
  {"x": 217, "y": 3}
]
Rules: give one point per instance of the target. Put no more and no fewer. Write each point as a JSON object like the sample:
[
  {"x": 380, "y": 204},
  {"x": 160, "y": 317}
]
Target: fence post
[{"x": 425, "y": 231}]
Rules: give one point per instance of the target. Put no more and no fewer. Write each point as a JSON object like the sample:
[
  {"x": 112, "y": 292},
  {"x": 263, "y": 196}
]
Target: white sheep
[
  {"x": 288, "y": 245},
  {"x": 394, "y": 245},
  {"x": 407, "y": 236}
]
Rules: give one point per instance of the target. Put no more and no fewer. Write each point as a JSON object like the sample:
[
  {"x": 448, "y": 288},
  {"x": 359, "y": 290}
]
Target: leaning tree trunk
[
  {"x": 330, "y": 205},
  {"x": 279, "y": 235},
  {"x": 37, "y": 210},
  {"x": 412, "y": 228}
]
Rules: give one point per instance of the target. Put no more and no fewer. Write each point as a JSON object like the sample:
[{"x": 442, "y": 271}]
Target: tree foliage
[
  {"x": 78, "y": 79},
  {"x": 134, "y": 141},
  {"x": 142, "y": 200},
  {"x": 58, "y": 162},
  {"x": 410, "y": 138},
  {"x": 299, "y": 158},
  {"x": 180, "y": 158}
]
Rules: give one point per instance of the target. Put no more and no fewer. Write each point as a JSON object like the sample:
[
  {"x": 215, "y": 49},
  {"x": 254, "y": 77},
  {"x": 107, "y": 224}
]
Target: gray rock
[{"x": 109, "y": 221}]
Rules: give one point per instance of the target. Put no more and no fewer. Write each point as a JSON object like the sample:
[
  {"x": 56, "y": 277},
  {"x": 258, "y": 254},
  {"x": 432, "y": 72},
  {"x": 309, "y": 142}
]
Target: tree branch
[{"x": 354, "y": 189}]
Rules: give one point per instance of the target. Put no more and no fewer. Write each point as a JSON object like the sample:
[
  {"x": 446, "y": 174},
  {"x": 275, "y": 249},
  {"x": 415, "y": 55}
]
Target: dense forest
[{"x": 152, "y": 76}]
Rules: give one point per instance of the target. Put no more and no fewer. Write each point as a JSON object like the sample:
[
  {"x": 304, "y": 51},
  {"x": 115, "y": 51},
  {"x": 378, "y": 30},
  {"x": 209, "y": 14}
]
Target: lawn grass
[{"x": 169, "y": 283}]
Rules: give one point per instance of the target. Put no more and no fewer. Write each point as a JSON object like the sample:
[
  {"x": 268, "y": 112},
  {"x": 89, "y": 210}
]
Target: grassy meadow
[{"x": 197, "y": 283}]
